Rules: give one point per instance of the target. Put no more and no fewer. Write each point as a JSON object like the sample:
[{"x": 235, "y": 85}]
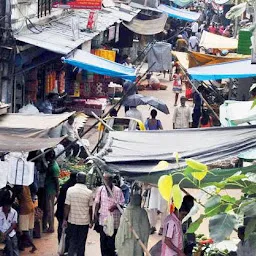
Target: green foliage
[
  {"x": 223, "y": 211},
  {"x": 221, "y": 226},
  {"x": 253, "y": 104},
  {"x": 193, "y": 227},
  {"x": 249, "y": 190},
  {"x": 250, "y": 228}
]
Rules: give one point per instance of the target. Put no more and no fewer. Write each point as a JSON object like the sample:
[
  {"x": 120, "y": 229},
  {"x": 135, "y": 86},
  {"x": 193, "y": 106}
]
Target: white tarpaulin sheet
[
  {"x": 233, "y": 113},
  {"x": 213, "y": 41}
]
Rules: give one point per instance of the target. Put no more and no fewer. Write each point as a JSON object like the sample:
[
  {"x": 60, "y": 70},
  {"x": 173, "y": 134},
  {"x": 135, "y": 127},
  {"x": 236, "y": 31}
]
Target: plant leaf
[
  {"x": 177, "y": 196},
  {"x": 165, "y": 184},
  {"x": 248, "y": 208},
  {"x": 228, "y": 199},
  {"x": 217, "y": 209},
  {"x": 251, "y": 189},
  {"x": 250, "y": 228},
  {"x": 196, "y": 165},
  {"x": 213, "y": 201},
  {"x": 199, "y": 175},
  {"x": 162, "y": 165},
  {"x": 234, "y": 178},
  {"x": 221, "y": 226},
  {"x": 193, "y": 227},
  {"x": 177, "y": 157}
]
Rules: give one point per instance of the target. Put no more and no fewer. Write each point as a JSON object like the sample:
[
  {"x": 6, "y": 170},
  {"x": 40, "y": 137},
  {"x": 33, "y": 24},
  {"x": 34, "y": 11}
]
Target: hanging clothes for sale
[{"x": 160, "y": 57}]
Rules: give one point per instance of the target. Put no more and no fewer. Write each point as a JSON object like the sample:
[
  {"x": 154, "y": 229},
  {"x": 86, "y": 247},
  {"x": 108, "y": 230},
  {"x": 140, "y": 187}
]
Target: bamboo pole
[{"x": 201, "y": 96}]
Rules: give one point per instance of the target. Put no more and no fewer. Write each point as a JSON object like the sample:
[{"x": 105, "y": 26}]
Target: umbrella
[
  {"x": 156, "y": 103},
  {"x": 134, "y": 100},
  {"x": 138, "y": 99}
]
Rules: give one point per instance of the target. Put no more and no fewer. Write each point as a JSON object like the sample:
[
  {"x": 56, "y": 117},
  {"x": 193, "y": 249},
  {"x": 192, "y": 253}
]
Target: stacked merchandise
[
  {"x": 244, "y": 42},
  {"x": 61, "y": 82},
  {"x": 106, "y": 54},
  {"x": 31, "y": 86},
  {"x": 50, "y": 81}
]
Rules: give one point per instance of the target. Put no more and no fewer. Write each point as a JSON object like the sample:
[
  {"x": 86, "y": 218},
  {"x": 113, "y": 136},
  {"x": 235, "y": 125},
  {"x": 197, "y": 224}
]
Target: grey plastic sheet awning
[
  {"x": 147, "y": 27},
  {"x": 31, "y": 126},
  {"x": 135, "y": 154},
  {"x": 14, "y": 143},
  {"x": 138, "y": 152}
]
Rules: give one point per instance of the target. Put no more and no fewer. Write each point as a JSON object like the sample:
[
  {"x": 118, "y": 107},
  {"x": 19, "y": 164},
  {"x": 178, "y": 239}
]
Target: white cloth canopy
[
  {"x": 210, "y": 40},
  {"x": 235, "y": 69}
]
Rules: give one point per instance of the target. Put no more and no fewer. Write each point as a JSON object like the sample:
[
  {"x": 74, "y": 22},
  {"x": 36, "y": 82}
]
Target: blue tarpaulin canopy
[
  {"x": 98, "y": 65},
  {"x": 179, "y": 13},
  {"x": 236, "y": 69}
]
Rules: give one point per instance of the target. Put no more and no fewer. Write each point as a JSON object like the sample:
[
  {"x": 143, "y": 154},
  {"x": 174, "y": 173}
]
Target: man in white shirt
[
  {"x": 78, "y": 215},
  {"x": 193, "y": 43},
  {"x": 194, "y": 27},
  {"x": 133, "y": 112},
  {"x": 8, "y": 224},
  {"x": 70, "y": 130},
  {"x": 182, "y": 116}
]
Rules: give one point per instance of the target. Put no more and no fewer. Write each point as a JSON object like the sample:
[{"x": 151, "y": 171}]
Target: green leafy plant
[{"x": 223, "y": 211}]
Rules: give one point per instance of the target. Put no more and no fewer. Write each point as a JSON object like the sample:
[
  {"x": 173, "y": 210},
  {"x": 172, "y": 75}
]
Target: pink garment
[
  {"x": 106, "y": 202},
  {"x": 212, "y": 30},
  {"x": 173, "y": 230}
]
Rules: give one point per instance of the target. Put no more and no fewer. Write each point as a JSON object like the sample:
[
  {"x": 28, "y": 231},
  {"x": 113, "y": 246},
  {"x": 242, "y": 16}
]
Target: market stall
[{"x": 99, "y": 73}]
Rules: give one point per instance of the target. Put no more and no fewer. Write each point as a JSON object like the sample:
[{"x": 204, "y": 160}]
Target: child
[
  {"x": 177, "y": 85},
  {"x": 8, "y": 225},
  {"x": 172, "y": 244}
]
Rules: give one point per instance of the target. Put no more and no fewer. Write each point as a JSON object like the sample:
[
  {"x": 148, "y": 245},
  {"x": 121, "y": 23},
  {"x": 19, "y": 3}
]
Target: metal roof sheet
[{"x": 57, "y": 35}]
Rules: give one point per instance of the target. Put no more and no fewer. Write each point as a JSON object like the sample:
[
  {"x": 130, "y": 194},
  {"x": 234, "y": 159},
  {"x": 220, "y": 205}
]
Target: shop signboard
[
  {"x": 78, "y": 4},
  {"x": 92, "y": 20},
  {"x": 111, "y": 33}
]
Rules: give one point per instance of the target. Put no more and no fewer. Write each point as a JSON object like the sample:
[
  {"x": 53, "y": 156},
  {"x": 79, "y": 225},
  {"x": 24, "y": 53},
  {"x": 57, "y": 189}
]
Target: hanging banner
[
  {"x": 78, "y": 4},
  {"x": 92, "y": 20}
]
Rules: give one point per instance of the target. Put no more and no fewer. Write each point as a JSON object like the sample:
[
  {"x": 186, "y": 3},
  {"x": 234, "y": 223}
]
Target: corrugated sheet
[{"x": 57, "y": 36}]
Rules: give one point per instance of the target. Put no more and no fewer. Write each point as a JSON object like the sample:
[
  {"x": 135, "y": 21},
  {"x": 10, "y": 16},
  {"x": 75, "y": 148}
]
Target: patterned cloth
[
  {"x": 173, "y": 230},
  {"x": 79, "y": 197},
  {"x": 106, "y": 202}
]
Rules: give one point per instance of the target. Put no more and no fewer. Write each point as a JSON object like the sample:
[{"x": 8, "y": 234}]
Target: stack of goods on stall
[
  {"x": 50, "y": 81},
  {"x": 31, "y": 85},
  {"x": 244, "y": 41}
]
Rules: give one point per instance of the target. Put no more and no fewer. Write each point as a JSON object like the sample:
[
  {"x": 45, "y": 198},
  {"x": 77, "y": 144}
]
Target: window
[{"x": 44, "y": 7}]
